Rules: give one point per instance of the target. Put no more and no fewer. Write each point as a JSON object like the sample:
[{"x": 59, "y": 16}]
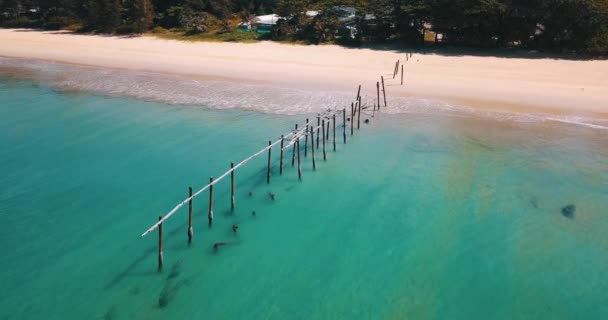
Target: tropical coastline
[
  {"x": 547, "y": 86},
  {"x": 478, "y": 192}
]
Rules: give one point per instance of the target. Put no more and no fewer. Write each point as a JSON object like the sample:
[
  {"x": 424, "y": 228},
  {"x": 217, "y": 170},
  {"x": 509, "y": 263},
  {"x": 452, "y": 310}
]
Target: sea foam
[{"x": 218, "y": 94}]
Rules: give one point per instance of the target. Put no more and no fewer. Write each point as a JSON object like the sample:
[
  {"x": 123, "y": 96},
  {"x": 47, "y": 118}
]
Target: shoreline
[{"x": 513, "y": 85}]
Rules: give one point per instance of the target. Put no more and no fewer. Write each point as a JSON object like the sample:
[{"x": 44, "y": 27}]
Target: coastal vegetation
[{"x": 579, "y": 26}]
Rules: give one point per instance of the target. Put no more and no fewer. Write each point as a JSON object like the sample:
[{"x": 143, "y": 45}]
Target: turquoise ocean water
[{"x": 419, "y": 216}]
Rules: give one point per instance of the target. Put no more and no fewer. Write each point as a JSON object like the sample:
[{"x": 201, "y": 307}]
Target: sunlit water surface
[{"x": 419, "y": 216}]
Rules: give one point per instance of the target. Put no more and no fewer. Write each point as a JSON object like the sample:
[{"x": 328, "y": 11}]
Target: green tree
[{"x": 139, "y": 15}]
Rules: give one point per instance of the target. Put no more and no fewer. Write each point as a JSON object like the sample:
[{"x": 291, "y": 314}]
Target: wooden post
[
  {"x": 312, "y": 141},
  {"x": 190, "y": 231},
  {"x": 352, "y": 114},
  {"x": 318, "y": 125},
  {"x": 293, "y": 154},
  {"x": 396, "y": 70},
  {"x": 269, "y": 154},
  {"x": 232, "y": 186},
  {"x": 160, "y": 244},
  {"x": 324, "y": 154},
  {"x": 344, "y": 124},
  {"x": 327, "y": 132},
  {"x": 358, "y": 92},
  {"x": 306, "y": 140},
  {"x": 299, "y": 166},
  {"x": 383, "y": 92},
  {"x": 401, "y": 74},
  {"x": 359, "y": 117},
  {"x": 210, "y": 215},
  {"x": 378, "y": 93},
  {"x": 281, "y": 161},
  {"x": 334, "y": 123}
]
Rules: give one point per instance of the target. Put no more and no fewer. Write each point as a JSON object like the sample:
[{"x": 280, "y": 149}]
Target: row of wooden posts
[{"x": 324, "y": 120}]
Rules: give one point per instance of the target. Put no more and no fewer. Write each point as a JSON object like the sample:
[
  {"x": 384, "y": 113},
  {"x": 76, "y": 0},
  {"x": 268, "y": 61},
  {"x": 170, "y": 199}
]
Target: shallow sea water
[{"x": 418, "y": 216}]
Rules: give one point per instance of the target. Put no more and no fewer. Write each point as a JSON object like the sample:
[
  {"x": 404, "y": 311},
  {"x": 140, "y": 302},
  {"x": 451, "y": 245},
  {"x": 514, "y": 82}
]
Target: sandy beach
[{"x": 498, "y": 84}]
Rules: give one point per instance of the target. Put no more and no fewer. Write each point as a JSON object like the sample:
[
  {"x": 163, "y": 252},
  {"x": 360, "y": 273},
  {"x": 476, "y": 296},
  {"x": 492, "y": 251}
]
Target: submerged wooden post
[
  {"x": 352, "y": 114},
  {"x": 269, "y": 154},
  {"x": 334, "y": 123},
  {"x": 299, "y": 166},
  {"x": 312, "y": 141},
  {"x": 190, "y": 231},
  {"x": 306, "y": 140},
  {"x": 344, "y": 124},
  {"x": 378, "y": 93},
  {"x": 401, "y": 74},
  {"x": 232, "y": 186},
  {"x": 210, "y": 215},
  {"x": 318, "y": 125},
  {"x": 281, "y": 161},
  {"x": 383, "y": 92},
  {"x": 324, "y": 154},
  {"x": 160, "y": 244},
  {"x": 293, "y": 154}
]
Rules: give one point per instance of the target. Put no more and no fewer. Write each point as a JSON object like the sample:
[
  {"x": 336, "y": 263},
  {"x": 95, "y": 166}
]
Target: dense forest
[{"x": 553, "y": 25}]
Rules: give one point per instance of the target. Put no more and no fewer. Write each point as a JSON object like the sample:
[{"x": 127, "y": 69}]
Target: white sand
[{"x": 502, "y": 84}]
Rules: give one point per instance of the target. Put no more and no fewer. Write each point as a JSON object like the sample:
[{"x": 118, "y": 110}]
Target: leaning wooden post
[
  {"x": 324, "y": 154},
  {"x": 318, "y": 125},
  {"x": 160, "y": 244},
  {"x": 190, "y": 231},
  {"x": 293, "y": 154},
  {"x": 210, "y": 215},
  {"x": 344, "y": 124},
  {"x": 269, "y": 154},
  {"x": 401, "y": 74},
  {"x": 359, "y": 117},
  {"x": 232, "y": 186},
  {"x": 299, "y": 165},
  {"x": 312, "y": 141},
  {"x": 352, "y": 119},
  {"x": 359, "y": 92},
  {"x": 383, "y": 92},
  {"x": 281, "y": 161},
  {"x": 396, "y": 70},
  {"x": 378, "y": 93},
  {"x": 334, "y": 123},
  {"x": 306, "y": 140}
]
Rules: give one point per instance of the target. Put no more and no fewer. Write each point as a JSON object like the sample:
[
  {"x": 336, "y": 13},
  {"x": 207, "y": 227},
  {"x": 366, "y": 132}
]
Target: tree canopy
[{"x": 555, "y": 25}]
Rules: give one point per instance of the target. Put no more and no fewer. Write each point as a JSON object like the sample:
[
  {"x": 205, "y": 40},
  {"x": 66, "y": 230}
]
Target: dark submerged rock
[
  {"x": 272, "y": 195},
  {"x": 217, "y": 245},
  {"x": 366, "y": 121},
  {"x": 235, "y": 228},
  {"x": 568, "y": 211},
  {"x": 253, "y": 213}
]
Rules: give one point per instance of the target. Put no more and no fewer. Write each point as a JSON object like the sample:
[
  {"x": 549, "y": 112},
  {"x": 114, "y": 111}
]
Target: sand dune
[{"x": 501, "y": 84}]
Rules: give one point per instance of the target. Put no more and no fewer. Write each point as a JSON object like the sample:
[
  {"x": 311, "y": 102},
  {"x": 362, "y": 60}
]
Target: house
[{"x": 263, "y": 24}]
